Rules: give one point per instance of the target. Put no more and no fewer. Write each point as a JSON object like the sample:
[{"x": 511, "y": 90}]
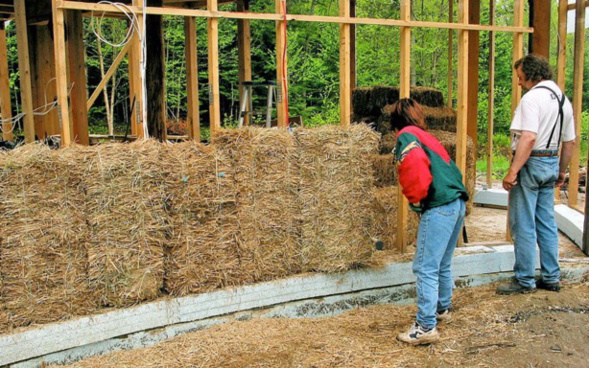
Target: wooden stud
[
  {"x": 5, "y": 105},
  {"x": 192, "y": 78},
  {"x": 450, "y": 103},
  {"x": 491, "y": 97},
  {"x": 281, "y": 66},
  {"x": 344, "y": 66},
  {"x": 516, "y": 91},
  {"x": 462, "y": 88},
  {"x": 404, "y": 92},
  {"x": 77, "y": 73},
  {"x": 24, "y": 68},
  {"x": 474, "y": 17},
  {"x": 135, "y": 87},
  {"x": 561, "y": 57},
  {"x": 42, "y": 58},
  {"x": 244, "y": 53},
  {"x": 353, "y": 75},
  {"x": 577, "y": 99},
  {"x": 214, "y": 98}
]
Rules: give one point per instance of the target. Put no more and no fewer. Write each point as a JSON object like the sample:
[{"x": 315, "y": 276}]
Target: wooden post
[
  {"x": 491, "y": 96},
  {"x": 561, "y": 57},
  {"x": 213, "y": 38},
  {"x": 353, "y": 76},
  {"x": 577, "y": 100},
  {"x": 474, "y": 17},
  {"x": 192, "y": 78},
  {"x": 450, "y": 54},
  {"x": 24, "y": 68},
  {"x": 344, "y": 65},
  {"x": 244, "y": 53},
  {"x": 281, "y": 66},
  {"x": 77, "y": 72},
  {"x": 404, "y": 92},
  {"x": 462, "y": 87},
  {"x": 135, "y": 85},
  {"x": 155, "y": 75},
  {"x": 540, "y": 19},
  {"x": 516, "y": 91},
  {"x": 5, "y": 106}
]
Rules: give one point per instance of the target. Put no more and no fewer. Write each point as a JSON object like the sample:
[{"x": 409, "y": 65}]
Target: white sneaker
[
  {"x": 445, "y": 316},
  {"x": 418, "y": 335}
]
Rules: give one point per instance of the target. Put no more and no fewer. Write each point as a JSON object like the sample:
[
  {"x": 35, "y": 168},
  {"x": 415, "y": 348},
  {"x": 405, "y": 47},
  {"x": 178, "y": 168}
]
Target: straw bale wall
[
  {"x": 86, "y": 228},
  {"x": 385, "y": 213},
  {"x": 336, "y": 196}
]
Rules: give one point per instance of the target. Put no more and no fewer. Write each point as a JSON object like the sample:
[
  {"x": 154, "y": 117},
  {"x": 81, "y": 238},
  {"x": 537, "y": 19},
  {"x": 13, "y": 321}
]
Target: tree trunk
[{"x": 155, "y": 74}]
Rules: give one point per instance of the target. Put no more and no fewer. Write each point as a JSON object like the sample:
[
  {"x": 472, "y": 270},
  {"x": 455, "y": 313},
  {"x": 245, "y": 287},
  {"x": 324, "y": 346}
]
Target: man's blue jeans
[
  {"x": 531, "y": 220},
  {"x": 439, "y": 229}
]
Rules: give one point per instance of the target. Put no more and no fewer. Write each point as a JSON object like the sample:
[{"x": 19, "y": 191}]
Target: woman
[{"x": 432, "y": 184}]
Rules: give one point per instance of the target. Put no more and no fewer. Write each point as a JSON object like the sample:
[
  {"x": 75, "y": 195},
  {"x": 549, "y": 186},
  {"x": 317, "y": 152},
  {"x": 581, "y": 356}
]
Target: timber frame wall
[{"x": 73, "y": 104}]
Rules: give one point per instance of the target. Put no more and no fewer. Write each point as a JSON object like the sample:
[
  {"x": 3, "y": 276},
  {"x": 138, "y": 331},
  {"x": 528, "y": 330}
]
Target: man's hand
[
  {"x": 560, "y": 180},
  {"x": 509, "y": 181}
]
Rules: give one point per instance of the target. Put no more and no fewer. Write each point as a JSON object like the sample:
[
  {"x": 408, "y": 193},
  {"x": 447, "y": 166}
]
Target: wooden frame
[{"x": 5, "y": 105}]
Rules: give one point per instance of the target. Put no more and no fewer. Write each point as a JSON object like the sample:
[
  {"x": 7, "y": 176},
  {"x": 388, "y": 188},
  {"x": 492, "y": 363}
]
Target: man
[{"x": 542, "y": 120}]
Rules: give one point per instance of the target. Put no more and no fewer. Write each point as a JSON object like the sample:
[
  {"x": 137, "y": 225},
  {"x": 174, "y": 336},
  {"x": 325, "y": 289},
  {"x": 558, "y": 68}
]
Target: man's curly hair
[{"x": 535, "y": 67}]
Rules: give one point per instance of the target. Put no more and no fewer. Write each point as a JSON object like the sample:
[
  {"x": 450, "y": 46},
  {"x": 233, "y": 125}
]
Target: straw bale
[
  {"x": 369, "y": 102},
  {"x": 387, "y": 143},
  {"x": 336, "y": 196},
  {"x": 42, "y": 227},
  {"x": 128, "y": 222},
  {"x": 202, "y": 254},
  {"x": 385, "y": 173},
  {"x": 439, "y": 118},
  {"x": 385, "y": 208},
  {"x": 266, "y": 179}
]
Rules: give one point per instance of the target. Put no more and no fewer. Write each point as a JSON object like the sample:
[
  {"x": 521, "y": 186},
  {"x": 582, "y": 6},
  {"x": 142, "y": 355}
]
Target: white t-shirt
[{"x": 538, "y": 112}]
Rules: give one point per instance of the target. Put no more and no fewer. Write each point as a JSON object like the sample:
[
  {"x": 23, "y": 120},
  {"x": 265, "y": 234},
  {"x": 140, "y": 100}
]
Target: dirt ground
[{"x": 544, "y": 329}]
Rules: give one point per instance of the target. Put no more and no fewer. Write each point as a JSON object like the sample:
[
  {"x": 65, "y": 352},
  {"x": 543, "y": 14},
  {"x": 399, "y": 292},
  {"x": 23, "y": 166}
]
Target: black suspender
[{"x": 560, "y": 114}]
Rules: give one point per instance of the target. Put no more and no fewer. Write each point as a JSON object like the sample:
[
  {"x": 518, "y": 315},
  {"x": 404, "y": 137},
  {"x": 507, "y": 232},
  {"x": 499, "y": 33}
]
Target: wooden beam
[
  {"x": 574, "y": 6},
  {"x": 192, "y": 78},
  {"x": 345, "y": 82},
  {"x": 462, "y": 88},
  {"x": 213, "y": 42},
  {"x": 5, "y": 105},
  {"x": 24, "y": 68},
  {"x": 450, "y": 103},
  {"x": 516, "y": 91},
  {"x": 353, "y": 74},
  {"x": 77, "y": 72},
  {"x": 577, "y": 99},
  {"x": 109, "y": 73},
  {"x": 404, "y": 92},
  {"x": 561, "y": 58},
  {"x": 136, "y": 96},
  {"x": 491, "y": 97},
  {"x": 474, "y": 17},
  {"x": 244, "y": 53},
  {"x": 540, "y": 11},
  {"x": 298, "y": 17},
  {"x": 281, "y": 66}
]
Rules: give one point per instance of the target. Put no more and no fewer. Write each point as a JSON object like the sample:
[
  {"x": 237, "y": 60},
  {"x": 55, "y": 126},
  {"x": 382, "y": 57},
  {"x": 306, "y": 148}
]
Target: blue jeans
[
  {"x": 531, "y": 220},
  {"x": 439, "y": 229}
]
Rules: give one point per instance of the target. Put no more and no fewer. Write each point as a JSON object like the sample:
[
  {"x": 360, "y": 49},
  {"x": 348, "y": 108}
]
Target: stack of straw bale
[
  {"x": 43, "y": 256},
  {"x": 385, "y": 210},
  {"x": 202, "y": 254},
  {"x": 336, "y": 196},
  {"x": 266, "y": 180},
  {"x": 129, "y": 225},
  {"x": 385, "y": 172}
]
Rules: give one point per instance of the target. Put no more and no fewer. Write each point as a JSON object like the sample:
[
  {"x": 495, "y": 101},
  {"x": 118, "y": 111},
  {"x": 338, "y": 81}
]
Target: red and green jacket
[{"x": 428, "y": 177}]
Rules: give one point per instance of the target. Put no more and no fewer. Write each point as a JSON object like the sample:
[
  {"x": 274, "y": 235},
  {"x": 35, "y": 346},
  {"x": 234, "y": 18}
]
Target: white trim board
[{"x": 94, "y": 329}]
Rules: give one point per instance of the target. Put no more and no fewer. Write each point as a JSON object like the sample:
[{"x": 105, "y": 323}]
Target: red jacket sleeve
[{"x": 414, "y": 175}]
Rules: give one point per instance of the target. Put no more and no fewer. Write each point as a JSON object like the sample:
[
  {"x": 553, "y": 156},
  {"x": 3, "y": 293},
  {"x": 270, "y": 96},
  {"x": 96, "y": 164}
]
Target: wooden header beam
[{"x": 296, "y": 17}]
